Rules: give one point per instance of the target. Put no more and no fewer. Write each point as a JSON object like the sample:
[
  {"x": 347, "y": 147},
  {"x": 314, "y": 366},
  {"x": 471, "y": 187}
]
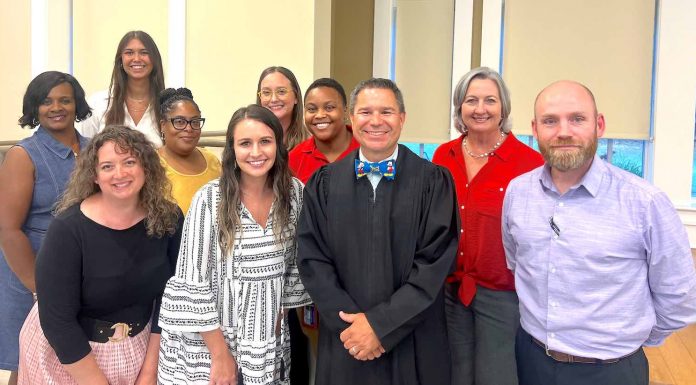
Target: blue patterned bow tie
[{"x": 385, "y": 168}]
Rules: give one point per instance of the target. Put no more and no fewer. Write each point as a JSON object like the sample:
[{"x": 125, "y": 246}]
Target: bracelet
[{"x": 35, "y": 297}]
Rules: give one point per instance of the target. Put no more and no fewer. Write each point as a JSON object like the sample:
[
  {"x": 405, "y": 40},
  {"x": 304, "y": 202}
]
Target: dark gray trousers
[
  {"x": 482, "y": 336},
  {"x": 534, "y": 367}
]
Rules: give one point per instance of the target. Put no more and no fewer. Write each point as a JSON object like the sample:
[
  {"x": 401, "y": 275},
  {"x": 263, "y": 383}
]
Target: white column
[
  {"x": 491, "y": 27},
  {"x": 51, "y": 36},
  {"x": 383, "y": 30}
]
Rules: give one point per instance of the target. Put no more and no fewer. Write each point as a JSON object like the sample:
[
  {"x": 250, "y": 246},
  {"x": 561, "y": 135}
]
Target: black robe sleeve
[
  {"x": 317, "y": 269},
  {"x": 436, "y": 249}
]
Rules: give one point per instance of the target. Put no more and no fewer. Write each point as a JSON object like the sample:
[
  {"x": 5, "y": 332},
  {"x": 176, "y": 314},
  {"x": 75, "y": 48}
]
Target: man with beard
[{"x": 601, "y": 260}]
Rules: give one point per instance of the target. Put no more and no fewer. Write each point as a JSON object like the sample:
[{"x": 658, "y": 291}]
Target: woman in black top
[{"x": 102, "y": 268}]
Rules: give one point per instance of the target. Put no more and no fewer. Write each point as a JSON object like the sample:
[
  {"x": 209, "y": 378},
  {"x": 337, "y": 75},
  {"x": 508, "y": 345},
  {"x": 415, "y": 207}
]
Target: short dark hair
[
  {"x": 379, "y": 83},
  {"x": 329, "y": 83},
  {"x": 39, "y": 88}
]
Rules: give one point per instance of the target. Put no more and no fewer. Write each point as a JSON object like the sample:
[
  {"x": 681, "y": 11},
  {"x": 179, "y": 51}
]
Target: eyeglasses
[
  {"x": 266, "y": 93},
  {"x": 181, "y": 123}
]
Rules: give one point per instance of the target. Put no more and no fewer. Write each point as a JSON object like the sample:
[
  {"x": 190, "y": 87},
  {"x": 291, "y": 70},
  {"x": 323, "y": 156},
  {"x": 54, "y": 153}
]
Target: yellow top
[{"x": 185, "y": 186}]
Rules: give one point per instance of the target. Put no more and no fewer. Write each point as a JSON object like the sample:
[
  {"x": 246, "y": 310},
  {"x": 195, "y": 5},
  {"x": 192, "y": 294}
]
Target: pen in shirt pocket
[{"x": 554, "y": 227}]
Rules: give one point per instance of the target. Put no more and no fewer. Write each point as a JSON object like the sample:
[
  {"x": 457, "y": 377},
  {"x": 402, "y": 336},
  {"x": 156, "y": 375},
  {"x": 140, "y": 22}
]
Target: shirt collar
[
  {"x": 392, "y": 156},
  {"x": 312, "y": 147},
  {"x": 508, "y": 148},
  {"x": 52, "y": 144},
  {"x": 591, "y": 181}
]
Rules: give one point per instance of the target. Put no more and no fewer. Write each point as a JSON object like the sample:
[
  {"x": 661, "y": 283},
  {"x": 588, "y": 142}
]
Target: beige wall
[
  {"x": 601, "y": 45},
  {"x": 15, "y": 70},
  {"x": 229, "y": 43},
  {"x": 322, "y": 38},
  {"x": 353, "y": 31},
  {"x": 424, "y": 36},
  {"x": 98, "y": 27}
]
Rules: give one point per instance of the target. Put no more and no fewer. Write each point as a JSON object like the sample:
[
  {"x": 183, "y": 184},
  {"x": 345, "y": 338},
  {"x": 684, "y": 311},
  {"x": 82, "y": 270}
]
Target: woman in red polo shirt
[
  {"x": 480, "y": 299},
  {"x": 324, "y": 114}
]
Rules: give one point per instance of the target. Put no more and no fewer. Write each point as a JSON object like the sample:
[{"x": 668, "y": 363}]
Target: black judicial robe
[{"x": 387, "y": 257}]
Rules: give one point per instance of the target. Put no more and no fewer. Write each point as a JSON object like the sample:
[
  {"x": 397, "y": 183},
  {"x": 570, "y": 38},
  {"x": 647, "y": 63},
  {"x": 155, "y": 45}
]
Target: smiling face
[
  {"x": 254, "y": 148},
  {"x": 567, "y": 126},
  {"x": 120, "y": 175},
  {"x": 57, "y": 111},
  {"x": 481, "y": 109},
  {"x": 280, "y": 99},
  {"x": 181, "y": 142},
  {"x": 377, "y": 122},
  {"x": 136, "y": 60},
  {"x": 324, "y": 113}
]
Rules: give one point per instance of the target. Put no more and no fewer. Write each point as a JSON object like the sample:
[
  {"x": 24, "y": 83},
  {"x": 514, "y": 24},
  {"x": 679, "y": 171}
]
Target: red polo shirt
[
  {"x": 480, "y": 256},
  {"x": 305, "y": 158}
]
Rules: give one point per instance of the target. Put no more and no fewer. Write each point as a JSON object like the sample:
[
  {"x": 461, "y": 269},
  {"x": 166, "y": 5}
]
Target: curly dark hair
[
  {"x": 155, "y": 197},
  {"x": 279, "y": 178},
  {"x": 39, "y": 88}
]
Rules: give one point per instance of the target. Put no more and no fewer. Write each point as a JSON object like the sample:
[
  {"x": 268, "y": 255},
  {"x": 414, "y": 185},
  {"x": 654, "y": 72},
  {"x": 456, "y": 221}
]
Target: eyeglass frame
[
  {"x": 274, "y": 92},
  {"x": 188, "y": 123}
]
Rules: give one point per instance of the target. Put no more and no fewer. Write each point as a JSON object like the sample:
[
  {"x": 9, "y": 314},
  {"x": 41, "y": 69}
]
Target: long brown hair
[
  {"x": 279, "y": 178},
  {"x": 115, "y": 113},
  {"x": 296, "y": 132},
  {"x": 155, "y": 196}
]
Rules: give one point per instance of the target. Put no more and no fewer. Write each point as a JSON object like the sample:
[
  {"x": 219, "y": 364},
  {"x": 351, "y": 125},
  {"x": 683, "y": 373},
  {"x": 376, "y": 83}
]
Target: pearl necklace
[{"x": 485, "y": 154}]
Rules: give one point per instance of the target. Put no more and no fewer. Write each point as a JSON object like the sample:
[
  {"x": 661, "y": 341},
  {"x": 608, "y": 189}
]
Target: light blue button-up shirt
[{"x": 619, "y": 273}]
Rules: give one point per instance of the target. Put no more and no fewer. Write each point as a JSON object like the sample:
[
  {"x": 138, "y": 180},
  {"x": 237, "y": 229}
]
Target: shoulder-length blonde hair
[
  {"x": 155, "y": 197},
  {"x": 279, "y": 178}
]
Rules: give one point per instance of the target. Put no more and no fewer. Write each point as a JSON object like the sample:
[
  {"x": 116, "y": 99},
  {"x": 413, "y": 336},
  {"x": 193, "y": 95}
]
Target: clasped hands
[{"x": 359, "y": 339}]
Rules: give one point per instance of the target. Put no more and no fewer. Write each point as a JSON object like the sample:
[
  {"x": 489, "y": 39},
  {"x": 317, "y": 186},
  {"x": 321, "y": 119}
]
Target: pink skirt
[{"x": 38, "y": 364}]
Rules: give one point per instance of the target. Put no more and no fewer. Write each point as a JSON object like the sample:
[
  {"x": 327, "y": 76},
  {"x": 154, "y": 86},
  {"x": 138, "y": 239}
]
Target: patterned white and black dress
[{"x": 242, "y": 294}]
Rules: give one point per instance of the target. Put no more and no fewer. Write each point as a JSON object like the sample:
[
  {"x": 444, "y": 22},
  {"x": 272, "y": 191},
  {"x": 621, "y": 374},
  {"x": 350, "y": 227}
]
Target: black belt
[
  {"x": 103, "y": 331},
  {"x": 569, "y": 358}
]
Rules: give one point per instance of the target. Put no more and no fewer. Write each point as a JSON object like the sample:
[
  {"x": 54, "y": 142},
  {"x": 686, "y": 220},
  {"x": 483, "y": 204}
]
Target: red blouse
[
  {"x": 480, "y": 256},
  {"x": 305, "y": 158}
]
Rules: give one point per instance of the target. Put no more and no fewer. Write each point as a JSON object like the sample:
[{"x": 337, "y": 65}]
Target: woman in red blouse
[{"x": 481, "y": 304}]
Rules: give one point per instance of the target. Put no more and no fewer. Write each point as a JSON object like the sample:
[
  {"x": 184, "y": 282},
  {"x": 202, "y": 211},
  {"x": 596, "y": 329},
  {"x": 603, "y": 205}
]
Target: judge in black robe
[{"x": 387, "y": 257}]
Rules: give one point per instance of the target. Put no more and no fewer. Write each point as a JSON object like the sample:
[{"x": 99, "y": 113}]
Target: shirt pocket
[{"x": 488, "y": 202}]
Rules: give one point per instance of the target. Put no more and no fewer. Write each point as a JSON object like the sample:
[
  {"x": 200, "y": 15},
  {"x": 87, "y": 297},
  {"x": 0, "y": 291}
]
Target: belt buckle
[{"x": 126, "y": 331}]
